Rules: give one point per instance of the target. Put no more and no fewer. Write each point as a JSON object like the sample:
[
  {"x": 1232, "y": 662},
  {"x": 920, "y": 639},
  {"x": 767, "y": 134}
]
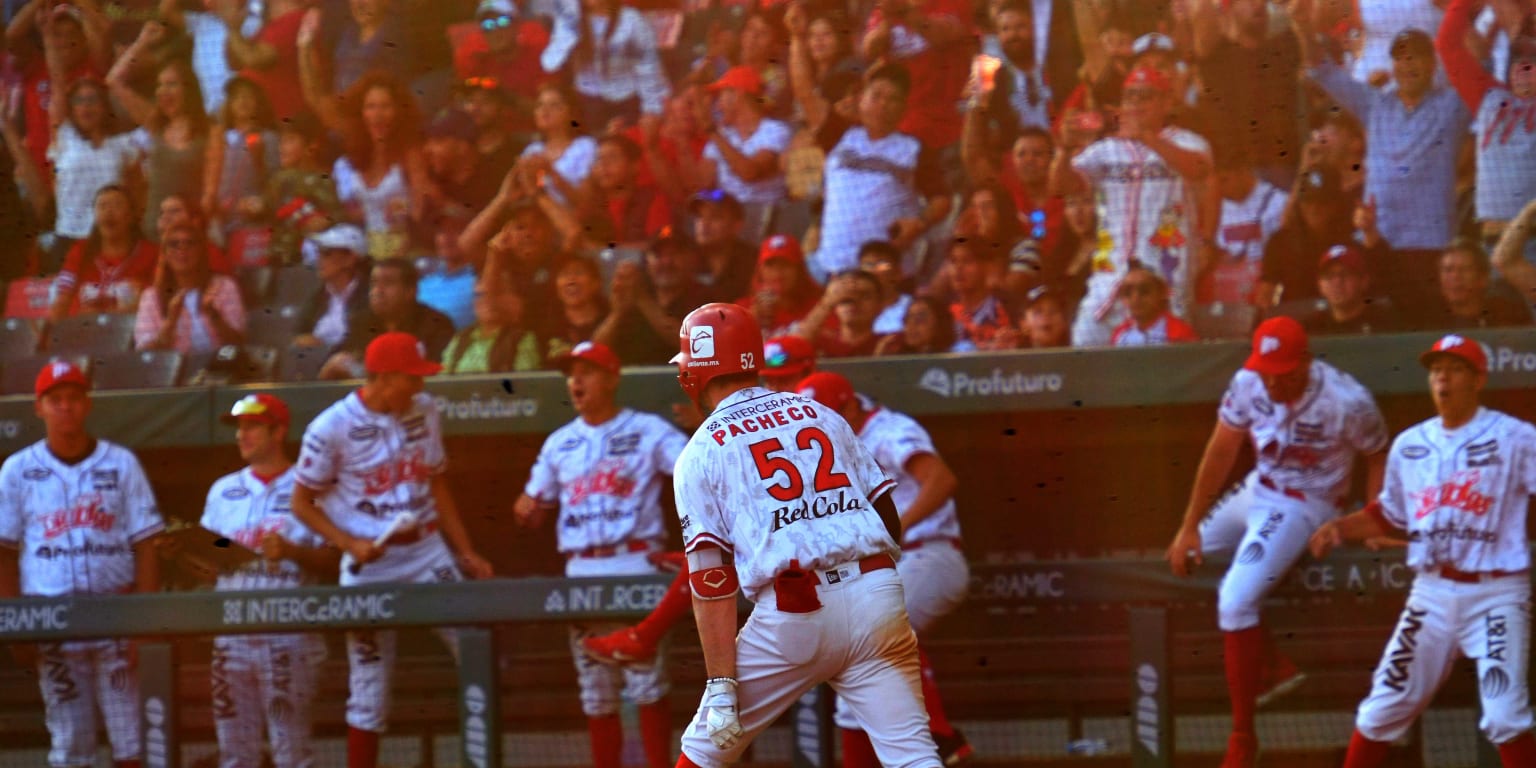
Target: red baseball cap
[
  {"x": 1460, "y": 347},
  {"x": 742, "y": 78},
  {"x": 1279, "y": 345},
  {"x": 780, "y": 247},
  {"x": 830, "y": 389},
  {"x": 1148, "y": 77},
  {"x": 1343, "y": 255},
  {"x": 57, "y": 373},
  {"x": 593, "y": 352},
  {"x": 260, "y": 407},
  {"x": 788, "y": 356},
  {"x": 399, "y": 352}
]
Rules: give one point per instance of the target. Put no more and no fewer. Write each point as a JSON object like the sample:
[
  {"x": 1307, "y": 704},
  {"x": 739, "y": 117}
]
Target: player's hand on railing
[
  {"x": 1324, "y": 539},
  {"x": 1184, "y": 549},
  {"x": 720, "y": 719}
]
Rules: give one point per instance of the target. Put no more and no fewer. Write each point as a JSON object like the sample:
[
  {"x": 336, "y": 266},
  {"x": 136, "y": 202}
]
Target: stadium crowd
[{"x": 284, "y": 180}]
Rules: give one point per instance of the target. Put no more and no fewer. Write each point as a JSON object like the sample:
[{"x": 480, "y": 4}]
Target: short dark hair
[
  {"x": 1036, "y": 132},
  {"x": 631, "y": 150},
  {"x": 1014, "y": 6},
  {"x": 895, "y": 74},
  {"x": 407, "y": 268},
  {"x": 880, "y": 249},
  {"x": 863, "y": 276},
  {"x": 584, "y": 263},
  {"x": 1471, "y": 247}
]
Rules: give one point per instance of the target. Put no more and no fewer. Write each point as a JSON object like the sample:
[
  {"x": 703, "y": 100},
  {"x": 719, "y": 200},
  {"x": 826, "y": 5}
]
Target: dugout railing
[{"x": 1143, "y": 588}]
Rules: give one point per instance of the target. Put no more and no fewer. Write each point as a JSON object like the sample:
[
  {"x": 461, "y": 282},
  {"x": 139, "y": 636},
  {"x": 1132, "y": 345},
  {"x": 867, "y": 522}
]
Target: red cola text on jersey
[
  {"x": 816, "y": 508},
  {"x": 777, "y": 415}
]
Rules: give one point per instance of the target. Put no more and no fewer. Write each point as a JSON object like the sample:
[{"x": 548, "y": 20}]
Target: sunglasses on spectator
[
  {"x": 1145, "y": 289},
  {"x": 495, "y": 23},
  {"x": 482, "y": 83}
]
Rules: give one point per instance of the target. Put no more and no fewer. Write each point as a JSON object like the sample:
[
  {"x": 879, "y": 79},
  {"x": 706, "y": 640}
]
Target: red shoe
[
  {"x": 1242, "y": 751},
  {"x": 1280, "y": 678},
  {"x": 621, "y": 646}
]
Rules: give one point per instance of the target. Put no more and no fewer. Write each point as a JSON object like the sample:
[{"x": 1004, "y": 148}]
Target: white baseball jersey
[
  {"x": 1146, "y": 210},
  {"x": 775, "y": 477},
  {"x": 1308, "y": 445},
  {"x": 894, "y": 439},
  {"x": 1461, "y": 495},
  {"x": 243, "y": 508},
  {"x": 606, "y": 478},
  {"x": 76, "y": 524},
  {"x": 373, "y": 466}
]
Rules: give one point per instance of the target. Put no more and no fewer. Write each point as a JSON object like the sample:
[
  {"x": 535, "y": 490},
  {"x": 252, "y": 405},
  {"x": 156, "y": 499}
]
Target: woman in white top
[
  {"x": 381, "y": 176},
  {"x": 559, "y": 161},
  {"x": 189, "y": 308},
  {"x": 611, "y": 49},
  {"x": 87, "y": 154}
]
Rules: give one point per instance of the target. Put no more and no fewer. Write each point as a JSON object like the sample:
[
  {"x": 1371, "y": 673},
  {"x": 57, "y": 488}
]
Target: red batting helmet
[{"x": 716, "y": 340}]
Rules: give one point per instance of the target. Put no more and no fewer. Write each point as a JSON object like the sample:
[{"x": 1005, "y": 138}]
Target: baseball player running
[
  {"x": 777, "y": 497},
  {"x": 933, "y": 570},
  {"x": 264, "y": 679},
  {"x": 1458, "y": 484},
  {"x": 77, "y": 516},
  {"x": 604, "y": 470},
  {"x": 1307, "y": 421},
  {"x": 370, "y": 481}
]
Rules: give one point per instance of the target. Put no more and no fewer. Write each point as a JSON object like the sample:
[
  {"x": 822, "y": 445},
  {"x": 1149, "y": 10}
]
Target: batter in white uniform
[
  {"x": 264, "y": 679},
  {"x": 370, "y": 480},
  {"x": 604, "y": 470},
  {"x": 778, "y": 498},
  {"x": 933, "y": 570},
  {"x": 77, "y": 517},
  {"x": 1308, "y": 421},
  {"x": 1459, "y": 485}
]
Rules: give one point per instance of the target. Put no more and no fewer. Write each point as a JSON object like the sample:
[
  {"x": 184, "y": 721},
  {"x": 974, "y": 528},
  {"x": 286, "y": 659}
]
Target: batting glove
[{"x": 720, "y": 720}]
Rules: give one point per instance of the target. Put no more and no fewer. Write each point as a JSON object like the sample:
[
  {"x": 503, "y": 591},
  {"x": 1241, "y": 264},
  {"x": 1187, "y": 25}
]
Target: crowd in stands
[{"x": 508, "y": 178}]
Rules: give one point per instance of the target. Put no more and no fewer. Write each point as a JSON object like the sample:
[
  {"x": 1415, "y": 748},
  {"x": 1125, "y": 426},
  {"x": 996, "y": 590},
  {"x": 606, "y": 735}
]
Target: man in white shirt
[
  {"x": 342, "y": 269},
  {"x": 745, "y": 148}
]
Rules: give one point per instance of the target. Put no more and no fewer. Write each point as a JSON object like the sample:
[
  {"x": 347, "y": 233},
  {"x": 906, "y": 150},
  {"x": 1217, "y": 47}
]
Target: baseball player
[
  {"x": 264, "y": 678},
  {"x": 1307, "y": 421},
  {"x": 778, "y": 498},
  {"x": 1458, "y": 484},
  {"x": 370, "y": 481},
  {"x": 604, "y": 470},
  {"x": 77, "y": 516},
  {"x": 933, "y": 570}
]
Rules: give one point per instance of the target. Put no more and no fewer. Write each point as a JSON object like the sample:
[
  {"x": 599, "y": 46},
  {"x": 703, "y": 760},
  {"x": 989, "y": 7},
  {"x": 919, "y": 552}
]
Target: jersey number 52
[{"x": 791, "y": 487}]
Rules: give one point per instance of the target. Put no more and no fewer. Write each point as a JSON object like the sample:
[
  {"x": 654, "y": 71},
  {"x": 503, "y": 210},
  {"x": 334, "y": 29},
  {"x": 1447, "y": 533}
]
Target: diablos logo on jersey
[
  {"x": 88, "y": 514},
  {"x": 408, "y": 469},
  {"x": 1459, "y": 493},
  {"x": 607, "y": 478}
]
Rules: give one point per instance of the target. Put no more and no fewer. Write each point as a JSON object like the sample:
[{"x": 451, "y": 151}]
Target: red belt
[
  {"x": 1273, "y": 486},
  {"x": 1473, "y": 577},
  {"x": 916, "y": 545},
  {"x": 411, "y": 535},
  {"x": 633, "y": 545},
  {"x": 871, "y": 563}
]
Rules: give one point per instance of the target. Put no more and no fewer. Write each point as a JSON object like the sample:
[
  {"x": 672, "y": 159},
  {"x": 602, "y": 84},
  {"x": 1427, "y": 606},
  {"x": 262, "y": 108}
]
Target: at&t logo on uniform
[{"x": 961, "y": 384}]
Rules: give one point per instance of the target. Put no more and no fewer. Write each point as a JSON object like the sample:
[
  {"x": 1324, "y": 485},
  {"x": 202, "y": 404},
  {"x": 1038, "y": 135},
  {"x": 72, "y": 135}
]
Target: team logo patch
[
  {"x": 1307, "y": 432},
  {"x": 37, "y": 473},
  {"x": 104, "y": 479},
  {"x": 1483, "y": 454},
  {"x": 1495, "y": 682},
  {"x": 365, "y": 432},
  {"x": 701, "y": 341},
  {"x": 282, "y": 503},
  {"x": 1251, "y": 554},
  {"x": 1414, "y": 452},
  {"x": 1263, "y": 406},
  {"x": 619, "y": 445},
  {"x": 1268, "y": 345},
  {"x": 570, "y": 445},
  {"x": 415, "y": 428},
  {"x": 235, "y": 492}
]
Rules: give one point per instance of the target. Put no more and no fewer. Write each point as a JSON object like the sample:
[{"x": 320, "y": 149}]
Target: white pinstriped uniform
[
  {"x": 75, "y": 527},
  {"x": 262, "y": 679},
  {"x": 607, "y": 480}
]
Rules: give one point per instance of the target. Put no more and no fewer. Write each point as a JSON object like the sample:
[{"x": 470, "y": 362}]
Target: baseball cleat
[
  {"x": 1242, "y": 751},
  {"x": 953, "y": 748},
  {"x": 1280, "y": 678},
  {"x": 621, "y": 646}
]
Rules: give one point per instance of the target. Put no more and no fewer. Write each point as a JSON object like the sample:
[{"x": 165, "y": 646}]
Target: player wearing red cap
[
  {"x": 370, "y": 480},
  {"x": 1459, "y": 484},
  {"x": 778, "y": 498},
  {"x": 77, "y": 516},
  {"x": 603, "y": 471},
  {"x": 1308, "y": 421},
  {"x": 264, "y": 679}
]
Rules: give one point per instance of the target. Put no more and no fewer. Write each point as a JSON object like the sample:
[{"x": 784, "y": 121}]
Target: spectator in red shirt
[
  {"x": 271, "y": 58},
  {"x": 50, "y": 40},
  {"x": 843, "y": 322},
  {"x": 106, "y": 271},
  {"x": 934, "y": 42},
  {"x": 1149, "y": 322},
  {"x": 504, "y": 49},
  {"x": 782, "y": 292}
]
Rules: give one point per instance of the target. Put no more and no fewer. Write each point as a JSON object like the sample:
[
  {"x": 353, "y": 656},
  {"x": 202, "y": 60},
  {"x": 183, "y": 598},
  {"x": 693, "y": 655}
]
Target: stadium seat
[
  {"x": 1222, "y": 321},
  {"x": 255, "y": 285},
  {"x": 94, "y": 334},
  {"x": 272, "y": 326},
  {"x": 294, "y": 286},
  {"x": 301, "y": 363},
  {"x": 18, "y": 338},
  {"x": 18, "y": 376},
  {"x": 792, "y": 217},
  {"x": 230, "y": 364},
  {"x": 144, "y": 369},
  {"x": 28, "y": 297}
]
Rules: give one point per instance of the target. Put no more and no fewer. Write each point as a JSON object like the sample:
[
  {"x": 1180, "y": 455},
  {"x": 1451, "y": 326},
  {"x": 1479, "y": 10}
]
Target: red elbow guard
[{"x": 714, "y": 583}]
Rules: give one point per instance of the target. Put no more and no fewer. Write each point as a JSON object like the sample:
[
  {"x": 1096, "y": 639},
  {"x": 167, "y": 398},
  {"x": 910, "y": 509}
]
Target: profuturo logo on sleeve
[{"x": 945, "y": 383}]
